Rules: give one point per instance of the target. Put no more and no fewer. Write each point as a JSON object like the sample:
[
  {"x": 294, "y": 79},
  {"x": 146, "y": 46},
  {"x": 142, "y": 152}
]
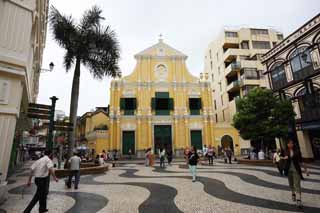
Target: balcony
[
  {"x": 278, "y": 84},
  {"x": 303, "y": 73},
  {"x": 233, "y": 86},
  {"x": 232, "y": 69},
  {"x": 309, "y": 108},
  {"x": 231, "y": 54},
  {"x": 97, "y": 134},
  {"x": 249, "y": 82},
  {"x": 230, "y": 42}
]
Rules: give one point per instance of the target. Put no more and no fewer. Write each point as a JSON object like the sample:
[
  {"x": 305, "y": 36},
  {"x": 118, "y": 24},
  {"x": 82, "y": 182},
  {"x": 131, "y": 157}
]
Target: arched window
[
  {"x": 278, "y": 76},
  {"x": 300, "y": 59}
]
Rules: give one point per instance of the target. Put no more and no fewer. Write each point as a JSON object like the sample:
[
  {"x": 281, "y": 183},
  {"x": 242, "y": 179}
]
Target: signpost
[{"x": 46, "y": 112}]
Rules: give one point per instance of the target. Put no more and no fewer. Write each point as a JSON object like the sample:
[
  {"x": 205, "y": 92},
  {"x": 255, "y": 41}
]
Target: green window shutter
[
  {"x": 170, "y": 104},
  {"x": 134, "y": 103},
  {"x": 162, "y": 95},
  {"x": 122, "y": 103},
  {"x": 199, "y": 104},
  {"x": 153, "y": 103}
]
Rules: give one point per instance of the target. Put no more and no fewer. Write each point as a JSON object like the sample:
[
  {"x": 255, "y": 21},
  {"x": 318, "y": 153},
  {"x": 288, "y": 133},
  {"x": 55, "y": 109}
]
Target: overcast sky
[{"x": 187, "y": 25}]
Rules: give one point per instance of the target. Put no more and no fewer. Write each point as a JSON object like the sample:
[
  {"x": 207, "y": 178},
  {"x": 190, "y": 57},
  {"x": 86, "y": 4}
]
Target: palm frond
[
  {"x": 68, "y": 59},
  {"x": 91, "y": 18},
  {"x": 63, "y": 28},
  {"x": 102, "y": 60}
]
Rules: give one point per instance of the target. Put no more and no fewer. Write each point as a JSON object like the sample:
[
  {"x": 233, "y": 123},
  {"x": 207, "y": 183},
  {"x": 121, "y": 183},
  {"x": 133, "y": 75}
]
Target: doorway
[
  {"x": 162, "y": 138},
  {"x": 128, "y": 142},
  {"x": 227, "y": 142},
  {"x": 196, "y": 139}
]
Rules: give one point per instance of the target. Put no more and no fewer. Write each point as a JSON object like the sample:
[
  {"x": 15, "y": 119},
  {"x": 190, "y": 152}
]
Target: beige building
[
  {"x": 23, "y": 27},
  {"x": 233, "y": 65}
]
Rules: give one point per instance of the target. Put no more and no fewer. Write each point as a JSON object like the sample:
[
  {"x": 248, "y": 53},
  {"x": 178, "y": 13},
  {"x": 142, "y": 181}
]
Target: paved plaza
[{"x": 136, "y": 188}]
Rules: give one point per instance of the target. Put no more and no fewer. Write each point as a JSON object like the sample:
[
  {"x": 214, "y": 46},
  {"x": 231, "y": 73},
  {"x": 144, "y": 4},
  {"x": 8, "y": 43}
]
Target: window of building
[
  {"x": 249, "y": 73},
  {"x": 220, "y": 86},
  {"x": 162, "y": 103},
  {"x": 195, "y": 106},
  {"x": 211, "y": 65},
  {"x": 274, "y": 44},
  {"x": 212, "y": 77},
  {"x": 278, "y": 73},
  {"x": 216, "y": 115},
  {"x": 244, "y": 45},
  {"x": 300, "y": 59},
  {"x": 261, "y": 45},
  {"x": 246, "y": 89},
  {"x": 259, "y": 32},
  {"x": 210, "y": 54},
  {"x": 244, "y": 57},
  {"x": 280, "y": 36},
  {"x": 231, "y": 34},
  {"x": 219, "y": 70},
  {"x": 215, "y": 105},
  {"x": 128, "y": 105},
  {"x": 221, "y": 99},
  {"x": 217, "y": 56}
]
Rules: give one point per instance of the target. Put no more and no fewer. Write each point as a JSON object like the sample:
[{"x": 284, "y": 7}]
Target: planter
[
  {"x": 86, "y": 170},
  {"x": 256, "y": 162}
]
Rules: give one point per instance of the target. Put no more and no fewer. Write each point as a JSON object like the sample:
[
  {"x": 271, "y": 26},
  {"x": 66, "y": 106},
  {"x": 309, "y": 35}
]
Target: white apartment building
[{"x": 233, "y": 65}]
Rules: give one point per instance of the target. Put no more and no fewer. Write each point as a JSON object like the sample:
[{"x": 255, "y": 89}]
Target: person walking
[
  {"x": 210, "y": 155},
  {"x": 278, "y": 161},
  {"x": 186, "y": 154},
  {"x": 74, "y": 162},
  {"x": 130, "y": 154},
  {"x": 229, "y": 154},
  {"x": 147, "y": 157},
  {"x": 205, "y": 151},
  {"x": 41, "y": 169},
  {"x": 293, "y": 171},
  {"x": 193, "y": 159},
  {"x": 162, "y": 156},
  {"x": 169, "y": 156}
]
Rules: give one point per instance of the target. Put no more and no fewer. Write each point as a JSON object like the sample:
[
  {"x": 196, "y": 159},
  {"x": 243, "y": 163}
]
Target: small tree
[{"x": 262, "y": 116}]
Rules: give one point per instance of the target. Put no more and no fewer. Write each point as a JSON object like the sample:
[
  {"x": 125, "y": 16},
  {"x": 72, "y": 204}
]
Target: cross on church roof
[{"x": 160, "y": 37}]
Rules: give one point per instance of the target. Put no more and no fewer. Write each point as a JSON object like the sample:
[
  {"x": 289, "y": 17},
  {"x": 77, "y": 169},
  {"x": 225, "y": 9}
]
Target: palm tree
[{"x": 87, "y": 43}]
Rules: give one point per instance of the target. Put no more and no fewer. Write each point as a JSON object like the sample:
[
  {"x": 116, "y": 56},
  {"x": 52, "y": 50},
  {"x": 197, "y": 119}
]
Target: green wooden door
[
  {"x": 196, "y": 139},
  {"x": 162, "y": 137},
  {"x": 128, "y": 142}
]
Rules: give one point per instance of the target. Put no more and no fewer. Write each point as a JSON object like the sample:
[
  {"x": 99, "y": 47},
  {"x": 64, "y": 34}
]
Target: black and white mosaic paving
[{"x": 136, "y": 188}]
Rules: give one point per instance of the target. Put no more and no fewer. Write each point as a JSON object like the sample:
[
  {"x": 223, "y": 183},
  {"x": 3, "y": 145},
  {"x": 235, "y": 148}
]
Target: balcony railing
[
  {"x": 278, "y": 84},
  {"x": 303, "y": 73},
  {"x": 233, "y": 68},
  {"x": 311, "y": 108},
  {"x": 233, "y": 86}
]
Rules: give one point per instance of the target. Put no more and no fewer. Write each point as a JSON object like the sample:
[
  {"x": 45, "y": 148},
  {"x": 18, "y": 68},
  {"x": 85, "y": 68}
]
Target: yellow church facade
[{"x": 160, "y": 105}]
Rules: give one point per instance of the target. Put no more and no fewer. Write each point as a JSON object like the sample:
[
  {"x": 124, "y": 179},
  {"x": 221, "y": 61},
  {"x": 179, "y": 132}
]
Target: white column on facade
[
  {"x": 305, "y": 144},
  {"x": 7, "y": 128}
]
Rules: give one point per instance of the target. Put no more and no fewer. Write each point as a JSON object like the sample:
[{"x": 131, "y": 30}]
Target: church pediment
[{"x": 161, "y": 49}]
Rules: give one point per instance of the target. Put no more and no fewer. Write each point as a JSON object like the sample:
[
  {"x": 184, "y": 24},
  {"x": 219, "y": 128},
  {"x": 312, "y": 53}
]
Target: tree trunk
[{"x": 74, "y": 107}]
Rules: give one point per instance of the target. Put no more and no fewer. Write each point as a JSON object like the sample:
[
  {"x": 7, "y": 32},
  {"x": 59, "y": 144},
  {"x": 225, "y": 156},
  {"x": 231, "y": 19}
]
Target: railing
[
  {"x": 303, "y": 73},
  {"x": 278, "y": 84},
  {"x": 311, "y": 108},
  {"x": 233, "y": 67},
  {"x": 233, "y": 85}
]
